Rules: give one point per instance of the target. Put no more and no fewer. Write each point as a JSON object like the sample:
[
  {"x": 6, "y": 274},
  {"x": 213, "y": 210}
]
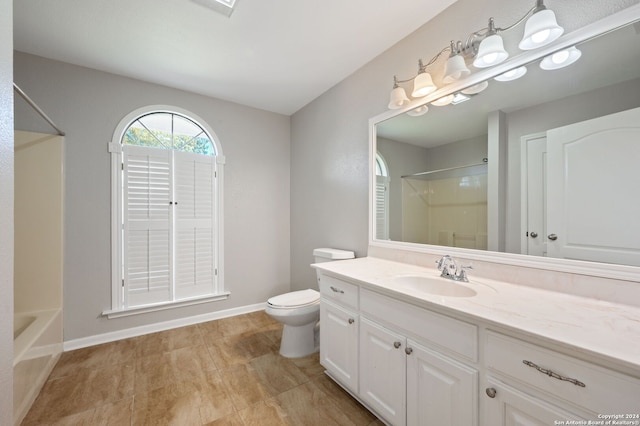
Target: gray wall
[
  {"x": 88, "y": 105},
  {"x": 6, "y": 212},
  {"x": 329, "y": 136}
]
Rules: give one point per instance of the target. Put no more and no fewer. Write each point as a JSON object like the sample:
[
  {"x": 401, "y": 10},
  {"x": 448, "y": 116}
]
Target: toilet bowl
[{"x": 299, "y": 312}]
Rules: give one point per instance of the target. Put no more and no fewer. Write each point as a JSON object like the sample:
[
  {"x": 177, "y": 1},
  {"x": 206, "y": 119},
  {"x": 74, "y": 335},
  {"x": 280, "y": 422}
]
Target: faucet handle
[{"x": 462, "y": 274}]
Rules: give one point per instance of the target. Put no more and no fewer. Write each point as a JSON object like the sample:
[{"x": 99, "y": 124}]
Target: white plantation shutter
[
  {"x": 195, "y": 216},
  {"x": 147, "y": 225},
  {"x": 166, "y": 213},
  {"x": 382, "y": 208}
]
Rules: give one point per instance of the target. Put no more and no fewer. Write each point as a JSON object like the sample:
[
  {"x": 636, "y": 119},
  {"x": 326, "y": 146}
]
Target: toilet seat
[{"x": 295, "y": 299}]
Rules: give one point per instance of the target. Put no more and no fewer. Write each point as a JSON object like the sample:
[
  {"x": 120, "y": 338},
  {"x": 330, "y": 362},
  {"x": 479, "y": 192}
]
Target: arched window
[
  {"x": 382, "y": 199},
  {"x": 166, "y": 212},
  {"x": 169, "y": 130}
]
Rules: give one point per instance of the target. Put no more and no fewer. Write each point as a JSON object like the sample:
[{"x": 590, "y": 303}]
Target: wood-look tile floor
[{"x": 223, "y": 372}]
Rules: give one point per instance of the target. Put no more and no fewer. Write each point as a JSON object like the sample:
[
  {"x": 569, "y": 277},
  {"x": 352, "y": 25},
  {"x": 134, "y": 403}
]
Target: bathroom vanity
[{"x": 418, "y": 349}]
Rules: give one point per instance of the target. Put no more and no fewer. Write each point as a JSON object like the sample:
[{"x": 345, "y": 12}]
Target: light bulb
[
  {"x": 560, "y": 57},
  {"x": 540, "y": 36}
]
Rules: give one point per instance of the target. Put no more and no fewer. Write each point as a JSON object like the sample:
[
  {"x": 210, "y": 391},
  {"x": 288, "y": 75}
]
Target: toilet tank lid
[
  {"x": 335, "y": 254},
  {"x": 295, "y": 298}
]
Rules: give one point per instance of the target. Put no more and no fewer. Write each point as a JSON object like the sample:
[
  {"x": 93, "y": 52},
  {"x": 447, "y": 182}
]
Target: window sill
[{"x": 111, "y": 314}]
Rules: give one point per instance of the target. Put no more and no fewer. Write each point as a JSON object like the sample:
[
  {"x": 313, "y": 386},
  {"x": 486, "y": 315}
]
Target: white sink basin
[{"x": 433, "y": 285}]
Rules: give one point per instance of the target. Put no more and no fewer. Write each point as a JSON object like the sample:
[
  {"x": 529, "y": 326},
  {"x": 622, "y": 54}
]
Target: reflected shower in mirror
[{"x": 432, "y": 198}]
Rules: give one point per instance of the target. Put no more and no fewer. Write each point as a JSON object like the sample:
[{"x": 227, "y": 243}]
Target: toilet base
[{"x": 299, "y": 341}]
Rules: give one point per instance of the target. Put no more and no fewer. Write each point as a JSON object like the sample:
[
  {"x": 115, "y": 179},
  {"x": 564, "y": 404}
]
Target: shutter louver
[
  {"x": 195, "y": 224},
  {"x": 382, "y": 209},
  {"x": 147, "y": 225}
]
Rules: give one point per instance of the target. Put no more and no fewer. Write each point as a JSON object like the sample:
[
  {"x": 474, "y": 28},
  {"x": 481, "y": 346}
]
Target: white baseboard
[{"x": 84, "y": 342}]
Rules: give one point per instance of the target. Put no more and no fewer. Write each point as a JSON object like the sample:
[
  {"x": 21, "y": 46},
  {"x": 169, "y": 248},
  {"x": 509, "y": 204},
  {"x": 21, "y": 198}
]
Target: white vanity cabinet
[
  {"x": 383, "y": 371},
  {"x": 339, "y": 321},
  {"x": 506, "y": 405},
  {"x": 528, "y": 385},
  {"x": 407, "y": 364},
  {"x": 405, "y": 375},
  {"x": 500, "y": 358},
  {"x": 408, "y": 383}
]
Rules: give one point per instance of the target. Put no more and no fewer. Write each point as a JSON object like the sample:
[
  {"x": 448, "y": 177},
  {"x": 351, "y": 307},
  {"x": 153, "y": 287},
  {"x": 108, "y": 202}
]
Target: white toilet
[{"x": 299, "y": 311}]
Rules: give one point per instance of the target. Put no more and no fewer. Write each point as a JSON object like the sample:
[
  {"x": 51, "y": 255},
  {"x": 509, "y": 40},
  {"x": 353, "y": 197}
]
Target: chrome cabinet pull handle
[
  {"x": 397, "y": 344},
  {"x": 491, "y": 392},
  {"x": 408, "y": 350},
  {"x": 552, "y": 237},
  {"x": 336, "y": 290},
  {"x": 554, "y": 375},
  {"x": 351, "y": 320}
]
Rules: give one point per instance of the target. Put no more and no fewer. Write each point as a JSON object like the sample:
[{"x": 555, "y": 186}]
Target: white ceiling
[{"x": 276, "y": 55}]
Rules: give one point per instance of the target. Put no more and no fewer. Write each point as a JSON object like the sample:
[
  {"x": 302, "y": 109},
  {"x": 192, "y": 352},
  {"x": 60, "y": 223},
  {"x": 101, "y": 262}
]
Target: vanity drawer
[
  {"x": 339, "y": 290},
  {"x": 604, "y": 391},
  {"x": 438, "y": 330}
]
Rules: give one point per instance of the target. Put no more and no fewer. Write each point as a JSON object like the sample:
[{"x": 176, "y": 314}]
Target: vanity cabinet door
[
  {"x": 383, "y": 371},
  {"x": 507, "y": 406},
  {"x": 339, "y": 343},
  {"x": 440, "y": 390}
]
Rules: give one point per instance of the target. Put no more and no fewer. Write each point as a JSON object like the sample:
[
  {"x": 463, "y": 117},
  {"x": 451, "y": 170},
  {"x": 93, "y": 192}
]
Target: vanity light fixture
[
  {"x": 398, "y": 97},
  {"x": 422, "y": 83},
  {"x": 455, "y": 68},
  {"x": 513, "y": 74},
  {"x": 491, "y": 50},
  {"x": 475, "y": 89},
  {"x": 416, "y": 112},
  {"x": 540, "y": 29},
  {"x": 445, "y": 100},
  {"x": 484, "y": 48},
  {"x": 560, "y": 59}
]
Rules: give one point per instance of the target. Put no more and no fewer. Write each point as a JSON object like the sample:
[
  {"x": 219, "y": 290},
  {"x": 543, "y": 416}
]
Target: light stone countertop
[{"x": 604, "y": 330}]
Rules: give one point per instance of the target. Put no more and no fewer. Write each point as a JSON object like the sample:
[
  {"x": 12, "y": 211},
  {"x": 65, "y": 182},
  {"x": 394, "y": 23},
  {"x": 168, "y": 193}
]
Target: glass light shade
[
  {"x": 398, "y": 98},
  {"x": 477, "y": 88},
  {"x": 541, "y": 29},
  {"x": 455, "y": 69},
  {"x": 446, "y": 100},
  {"x": 491, "y": 52},
  {"x": 513, "y": 74},
  {"x": 561, "y": 59},
  {"x": 423, "y": 85},
  {"x": 421, "y": 110}
]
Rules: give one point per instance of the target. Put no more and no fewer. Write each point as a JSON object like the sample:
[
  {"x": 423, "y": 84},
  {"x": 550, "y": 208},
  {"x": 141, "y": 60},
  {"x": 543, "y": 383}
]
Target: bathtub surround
[{"x": 38, "y": 275}]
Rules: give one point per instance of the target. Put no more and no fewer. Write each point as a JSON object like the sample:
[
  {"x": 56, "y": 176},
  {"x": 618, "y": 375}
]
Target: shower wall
[
  {"x": 38, "y": 222},
  {"x": 38, "y": 262},
  {"x": 449, "y": 212}
]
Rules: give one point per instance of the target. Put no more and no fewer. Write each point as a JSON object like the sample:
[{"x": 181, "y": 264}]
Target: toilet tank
[{"x": 331, "y": 254}]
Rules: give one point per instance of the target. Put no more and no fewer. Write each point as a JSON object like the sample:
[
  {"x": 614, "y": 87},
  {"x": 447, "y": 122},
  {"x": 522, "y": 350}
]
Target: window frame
[
  {"x": 382, "y": 180},
  {"x": 117, "y": 274}
]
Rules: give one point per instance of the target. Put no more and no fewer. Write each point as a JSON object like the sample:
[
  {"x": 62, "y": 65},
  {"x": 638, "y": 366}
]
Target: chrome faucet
[{"x": 451, "y": 270}]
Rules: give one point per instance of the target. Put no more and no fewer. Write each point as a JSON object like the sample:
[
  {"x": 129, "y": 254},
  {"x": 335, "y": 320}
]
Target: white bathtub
[{"x": 37, "y": 345}]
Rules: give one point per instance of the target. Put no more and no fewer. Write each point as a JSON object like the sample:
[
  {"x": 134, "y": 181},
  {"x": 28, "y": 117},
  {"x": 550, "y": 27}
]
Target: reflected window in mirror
[{"x": 382, "y": 198}]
